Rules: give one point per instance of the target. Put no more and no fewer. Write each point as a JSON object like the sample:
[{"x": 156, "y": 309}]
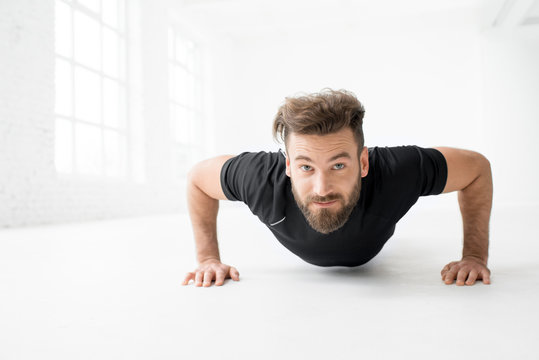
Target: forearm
[
  {"x": 475, "y": 203},
  {"x": 203, "y": 211}
]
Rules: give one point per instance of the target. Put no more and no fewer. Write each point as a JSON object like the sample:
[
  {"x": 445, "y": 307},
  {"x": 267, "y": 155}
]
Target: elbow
[
  {"x": 485, "y": 172},
  {"x": 483, "y": 162},
  {"x": 193, "y": 175}
]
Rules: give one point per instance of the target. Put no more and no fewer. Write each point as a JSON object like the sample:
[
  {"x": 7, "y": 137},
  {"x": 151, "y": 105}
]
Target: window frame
[{"x": 122, "y": 129}]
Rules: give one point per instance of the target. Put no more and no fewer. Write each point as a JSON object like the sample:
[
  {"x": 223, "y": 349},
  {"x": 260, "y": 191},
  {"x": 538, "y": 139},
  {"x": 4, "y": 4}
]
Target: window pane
[
  {"x": 62, "y": 29},
  {"x": 170, "y": 43},
  {"x": 192, "y": 126},
  {"x": 183, "y": 163},
  {"x": 88, "y": 145},
  {"x": 63, "y": 90},
  {"x": 172, "y": 83},
  {"x": 110, "y": 12},
  {"x": 111, "y": 103},
  {"x": 91, "y": 4},
  {"x": 197, "y": 95},
  {"x": 174, "y": 122},
  {"x": 122, "y": 106},
  {"x": 196, "y": 61},
  {"x": 190, "y": 61},
  {"x": 63, "y": 143},
  {"x": 190, "y": 91},
  {"x": 122, "y": 12},
  {"x": 179, "y": 84},
  {"x": 122, "y": 58},
  {"x": 114, "y": 153},
  {"x": 110, "y": 52},
  {"x": 180, "y": 49},
  {"x": 181, "y": 122},
  {"x": 87, "y": 95},
  {"x": 87, "y": 44}
]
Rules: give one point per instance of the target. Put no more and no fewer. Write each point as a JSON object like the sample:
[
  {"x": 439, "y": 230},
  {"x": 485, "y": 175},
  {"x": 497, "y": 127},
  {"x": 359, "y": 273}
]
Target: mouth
[{"x": 325, "y": 204}]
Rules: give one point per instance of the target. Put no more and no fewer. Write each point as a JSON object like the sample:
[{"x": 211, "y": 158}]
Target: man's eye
[
  {"x": 305, "y": 166},
  {"x": 340, "y": 166}
]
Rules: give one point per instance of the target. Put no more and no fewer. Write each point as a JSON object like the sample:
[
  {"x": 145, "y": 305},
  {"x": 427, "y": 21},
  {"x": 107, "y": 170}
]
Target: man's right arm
[{"x": 203, "y": 194}]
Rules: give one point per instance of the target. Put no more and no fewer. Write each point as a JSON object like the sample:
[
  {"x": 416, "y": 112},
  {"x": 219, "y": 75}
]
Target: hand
[
  {"x": 209, "y": 269},
  {"x": 468, "y": 268}
]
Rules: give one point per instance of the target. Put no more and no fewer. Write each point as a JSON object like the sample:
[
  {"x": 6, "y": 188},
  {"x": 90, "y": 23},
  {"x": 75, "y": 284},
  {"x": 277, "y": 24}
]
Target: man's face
[{"x": 326, "y": 173}]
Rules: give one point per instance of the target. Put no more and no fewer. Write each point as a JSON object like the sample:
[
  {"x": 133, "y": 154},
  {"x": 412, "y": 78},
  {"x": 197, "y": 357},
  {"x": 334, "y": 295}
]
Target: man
[{"x": 331, "y": 200}]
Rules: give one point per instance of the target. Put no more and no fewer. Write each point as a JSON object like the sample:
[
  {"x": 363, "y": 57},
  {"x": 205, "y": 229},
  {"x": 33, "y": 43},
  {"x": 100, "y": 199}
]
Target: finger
[
  {"x": 447, "y": 268},
  {"x": 208, "y": 275},
  {"x": 449, "y": 277},
  {"x": 220, "y": 278},
  {"x": 198, "y": 279},
  {"x": 485, "y": 274},
  {"x": 461, "y": 277},
  {"x": 472, "y": 277},
  {"x": 444, "y": 270},
  {"x": 234, "y": 274},
  {"x": 188, "y": 277}
]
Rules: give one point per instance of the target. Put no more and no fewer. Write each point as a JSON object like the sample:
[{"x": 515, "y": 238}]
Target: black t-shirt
[{"x": 397, "y": 177}]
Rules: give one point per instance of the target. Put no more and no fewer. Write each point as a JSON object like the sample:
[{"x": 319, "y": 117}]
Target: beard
[{"x": 326, "y": 220}]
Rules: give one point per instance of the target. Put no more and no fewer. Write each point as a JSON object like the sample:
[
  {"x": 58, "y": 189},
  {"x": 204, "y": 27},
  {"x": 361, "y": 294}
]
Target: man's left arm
[{"x": 469, "y": 173}]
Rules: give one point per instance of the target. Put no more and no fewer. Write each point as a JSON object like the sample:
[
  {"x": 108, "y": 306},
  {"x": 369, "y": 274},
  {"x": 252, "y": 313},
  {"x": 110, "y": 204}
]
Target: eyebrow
[{"x": 343, "y": 154}]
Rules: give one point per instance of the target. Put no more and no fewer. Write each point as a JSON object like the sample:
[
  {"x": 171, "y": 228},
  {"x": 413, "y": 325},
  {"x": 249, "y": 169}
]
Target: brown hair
[{"x": 320, "y": 113}]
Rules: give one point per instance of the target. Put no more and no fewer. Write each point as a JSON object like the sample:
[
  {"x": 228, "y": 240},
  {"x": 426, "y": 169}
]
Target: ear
[
  {"x": 287, "y": 166},
  {"x": 364, "y": 162}
]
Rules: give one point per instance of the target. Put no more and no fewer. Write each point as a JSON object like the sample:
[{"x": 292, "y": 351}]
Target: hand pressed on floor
[
  {"x": 466, "y": 271},
  {"x": 209, "y": 270}
]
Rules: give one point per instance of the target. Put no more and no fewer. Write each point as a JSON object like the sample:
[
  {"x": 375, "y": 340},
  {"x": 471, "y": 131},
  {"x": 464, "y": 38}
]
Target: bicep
[
  {"x": 206, "y": 175},
  {"x": 463, "y": 167}
]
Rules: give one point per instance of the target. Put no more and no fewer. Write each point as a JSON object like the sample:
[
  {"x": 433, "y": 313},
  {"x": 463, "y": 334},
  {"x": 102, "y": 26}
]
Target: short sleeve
[
  {"x": 433, "y": 171},
  {"x": 408, "y": 172},
  {"x": 257, "y": 179}
]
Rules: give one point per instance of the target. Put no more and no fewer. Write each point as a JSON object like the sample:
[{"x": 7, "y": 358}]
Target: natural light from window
[
  {"x": 90, "y": 88},
  {"x": 185, "y": 100}
]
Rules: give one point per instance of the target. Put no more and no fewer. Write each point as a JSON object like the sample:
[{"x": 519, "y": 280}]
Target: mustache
[{"x": 327, "y": 198}]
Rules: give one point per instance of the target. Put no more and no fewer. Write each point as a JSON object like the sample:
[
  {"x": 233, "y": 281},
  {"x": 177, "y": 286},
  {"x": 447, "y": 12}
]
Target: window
[
  {"x": 90, "y": 88},
  {"x": 184, "y": 101}
]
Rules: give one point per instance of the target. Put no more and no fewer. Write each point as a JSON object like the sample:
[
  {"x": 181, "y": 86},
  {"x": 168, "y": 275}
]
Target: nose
[{"x": 322, "y": 185}]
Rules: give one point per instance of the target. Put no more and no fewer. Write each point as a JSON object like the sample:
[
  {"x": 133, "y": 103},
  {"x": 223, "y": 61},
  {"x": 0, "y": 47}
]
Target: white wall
[
  {"x": 428, "y": 81},
  {"x": 410, "y": 84},
  {"x": 510, "y": 123}
]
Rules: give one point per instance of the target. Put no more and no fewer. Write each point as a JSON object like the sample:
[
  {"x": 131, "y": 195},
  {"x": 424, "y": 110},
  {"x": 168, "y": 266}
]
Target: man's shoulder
[
  {"x": 383, "y": 150},
  {"x": 261, "y": 155},
  {"x": 393, "y": 155},
  {"x": 263, "y": 168},
  {"x": 260, "y": 163}
]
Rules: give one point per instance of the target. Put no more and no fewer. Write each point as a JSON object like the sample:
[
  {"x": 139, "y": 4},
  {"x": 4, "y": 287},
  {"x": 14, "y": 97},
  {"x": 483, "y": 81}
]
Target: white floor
[{"x": 111, "y": 290}]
